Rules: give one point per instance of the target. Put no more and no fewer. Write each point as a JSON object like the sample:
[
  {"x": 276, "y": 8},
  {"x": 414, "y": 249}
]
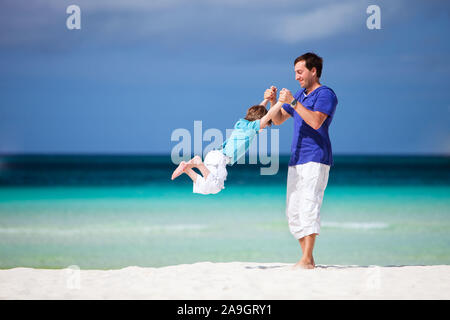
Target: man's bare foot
[
  {"x": 305, "y": 264},
  {"x": 179, "y": 170}
]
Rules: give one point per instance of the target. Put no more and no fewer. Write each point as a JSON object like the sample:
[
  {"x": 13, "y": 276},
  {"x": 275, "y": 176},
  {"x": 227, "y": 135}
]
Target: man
[{"x": 312, "y": 108}]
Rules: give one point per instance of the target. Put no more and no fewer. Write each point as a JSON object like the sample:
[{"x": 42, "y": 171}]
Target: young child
[{"x": 213, "y": 169}]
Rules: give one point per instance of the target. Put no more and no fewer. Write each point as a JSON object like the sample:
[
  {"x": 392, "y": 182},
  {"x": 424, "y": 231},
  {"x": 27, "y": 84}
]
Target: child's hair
[{"x": 256, "y": 112}]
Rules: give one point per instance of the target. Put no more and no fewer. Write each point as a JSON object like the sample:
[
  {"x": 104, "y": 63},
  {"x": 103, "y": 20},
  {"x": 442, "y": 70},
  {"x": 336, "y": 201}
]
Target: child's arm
[
  {"x": 264, "y": 102},
  {"x": 264, "y": 122},
  {"x": 271, "y": 95}
]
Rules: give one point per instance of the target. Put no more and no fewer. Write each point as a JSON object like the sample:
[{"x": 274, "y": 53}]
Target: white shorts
[
  {"x": 305, "y": 188},
  {"x": 216, "y": 163}
]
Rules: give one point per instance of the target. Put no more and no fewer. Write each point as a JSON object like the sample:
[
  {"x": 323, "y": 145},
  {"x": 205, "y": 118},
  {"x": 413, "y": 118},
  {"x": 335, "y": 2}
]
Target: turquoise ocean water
[{"x": 107, "y": 212}]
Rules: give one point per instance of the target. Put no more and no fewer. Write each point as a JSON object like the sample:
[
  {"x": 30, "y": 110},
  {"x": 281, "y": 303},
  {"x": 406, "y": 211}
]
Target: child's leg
[
  {"x": 198, "y": 163},
  {"x": 186, "y": 167},
  {"x": 192, "y": 174}
]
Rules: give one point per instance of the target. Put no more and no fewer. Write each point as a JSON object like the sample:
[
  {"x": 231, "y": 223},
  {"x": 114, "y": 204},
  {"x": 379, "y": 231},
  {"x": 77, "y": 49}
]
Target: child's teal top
[{"x": 240, "y": 139}]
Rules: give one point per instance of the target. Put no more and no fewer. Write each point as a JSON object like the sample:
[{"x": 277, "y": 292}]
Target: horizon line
[{"x": 112, "y": 154}]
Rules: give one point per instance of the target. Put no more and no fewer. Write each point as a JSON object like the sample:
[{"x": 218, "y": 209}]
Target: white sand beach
[{"x": 234, "y": 280}]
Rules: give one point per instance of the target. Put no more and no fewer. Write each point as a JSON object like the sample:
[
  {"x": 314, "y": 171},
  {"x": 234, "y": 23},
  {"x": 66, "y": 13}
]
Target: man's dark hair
[
  {"x": 312, "y": 60},
  {"x": 256, "y": 112}
]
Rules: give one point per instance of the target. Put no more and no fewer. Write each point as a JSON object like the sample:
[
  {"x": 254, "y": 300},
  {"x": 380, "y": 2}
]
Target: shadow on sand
[{"x": 333, "y": 266}]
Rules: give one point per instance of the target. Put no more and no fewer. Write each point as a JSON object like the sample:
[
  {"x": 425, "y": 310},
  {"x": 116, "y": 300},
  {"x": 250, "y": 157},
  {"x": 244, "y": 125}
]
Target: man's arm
[
  {"x": 314, "y": 119},
  {"x": 280, "y": 115}
]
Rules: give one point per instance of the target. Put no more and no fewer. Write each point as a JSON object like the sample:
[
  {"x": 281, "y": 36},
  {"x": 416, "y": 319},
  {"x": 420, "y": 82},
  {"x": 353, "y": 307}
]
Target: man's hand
[
  {"x": 271, "y": 94},
  {"x": 285, "y": 96}
]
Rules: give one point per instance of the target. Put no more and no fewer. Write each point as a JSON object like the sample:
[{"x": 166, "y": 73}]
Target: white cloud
[
  {"x": 146, "y": 5},
  {"x": 319, "y": 23},
  {"x": 42, "y": 22}
]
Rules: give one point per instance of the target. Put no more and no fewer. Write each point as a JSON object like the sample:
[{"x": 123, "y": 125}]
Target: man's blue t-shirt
[{"x": 309, "y": 144}]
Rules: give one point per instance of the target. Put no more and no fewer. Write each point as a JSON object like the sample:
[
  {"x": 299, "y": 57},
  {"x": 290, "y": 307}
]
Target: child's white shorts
[
  {"x": 216, "y": 163},
  {"x": 305, "y": 189}
]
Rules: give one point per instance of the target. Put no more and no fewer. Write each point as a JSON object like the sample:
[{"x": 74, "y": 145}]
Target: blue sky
[{"x": 137, "y": 70}]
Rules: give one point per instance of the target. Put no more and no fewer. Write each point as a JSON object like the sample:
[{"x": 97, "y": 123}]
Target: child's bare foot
[{"x": 179, "y": 170}]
